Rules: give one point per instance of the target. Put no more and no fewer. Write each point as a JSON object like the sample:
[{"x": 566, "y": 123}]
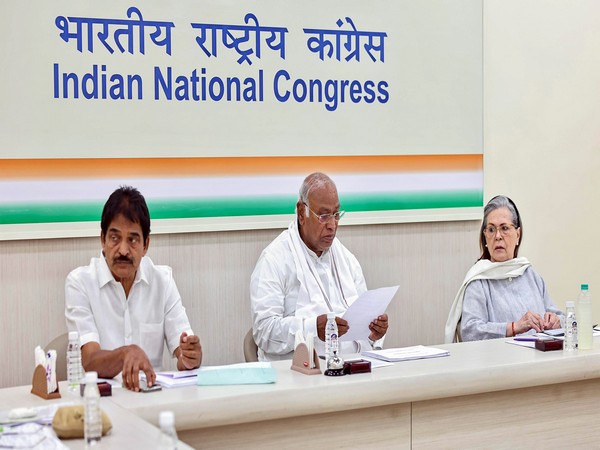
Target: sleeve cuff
[{"x": 376, "y": 345}]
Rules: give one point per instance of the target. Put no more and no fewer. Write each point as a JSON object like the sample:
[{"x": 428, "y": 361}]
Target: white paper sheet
[
  {"x": 529, "y": 344},
  {"x": 364, "y": 310},
  {"x": 177, "y": 378},
  {"x": 407, "y": 353}
]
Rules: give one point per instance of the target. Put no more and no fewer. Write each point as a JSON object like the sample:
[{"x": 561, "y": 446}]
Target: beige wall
[
  {"x": 212, "y": 271},
  {"x": 541, "y": 139},
  {"x": 542, "y": 132}
]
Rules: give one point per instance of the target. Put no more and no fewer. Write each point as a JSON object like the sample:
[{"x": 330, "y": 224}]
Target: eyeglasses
[
  {"x": 324, "y": 218},
  {"x": 490, "y": 230}
]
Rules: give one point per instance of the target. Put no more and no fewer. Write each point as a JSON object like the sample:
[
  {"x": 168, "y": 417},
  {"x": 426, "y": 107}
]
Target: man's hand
[
  {"x": 378, "y": 327},
  {"x": 134, "y": 360},
  {"x": 128, "y": 360},
  {"x": 342, "y": 326},
  {"x": 189, "y": 352}
]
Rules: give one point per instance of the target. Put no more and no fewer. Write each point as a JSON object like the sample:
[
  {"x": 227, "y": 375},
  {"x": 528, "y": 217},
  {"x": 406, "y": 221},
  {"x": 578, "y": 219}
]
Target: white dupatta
[{"x": 482, "y": 270}]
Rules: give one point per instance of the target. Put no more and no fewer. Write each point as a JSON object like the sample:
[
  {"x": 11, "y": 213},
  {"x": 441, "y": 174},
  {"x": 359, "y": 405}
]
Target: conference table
[
  {"x": 128, "y": 430},
  {"x": 486, "y": 394}
]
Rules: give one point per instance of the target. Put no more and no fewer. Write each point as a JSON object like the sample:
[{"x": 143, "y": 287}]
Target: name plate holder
[
  {"x": 300, "y": 361},
  {"x": 39, "y": 384}
]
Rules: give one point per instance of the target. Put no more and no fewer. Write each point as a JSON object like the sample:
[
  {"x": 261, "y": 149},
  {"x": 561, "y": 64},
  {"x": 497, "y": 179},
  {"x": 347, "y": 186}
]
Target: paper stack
[{"x": 406, "y": 353}]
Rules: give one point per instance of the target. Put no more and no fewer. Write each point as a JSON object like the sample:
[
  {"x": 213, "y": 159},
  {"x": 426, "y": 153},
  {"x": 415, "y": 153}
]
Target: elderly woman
[{"x": 502, "y": 295}]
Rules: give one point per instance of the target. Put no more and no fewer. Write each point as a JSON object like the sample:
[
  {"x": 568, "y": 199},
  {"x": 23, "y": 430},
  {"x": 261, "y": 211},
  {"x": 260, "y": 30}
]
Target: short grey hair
[
  {"x": 315, "y": 180},
  {"x": 499, "y": 201}
]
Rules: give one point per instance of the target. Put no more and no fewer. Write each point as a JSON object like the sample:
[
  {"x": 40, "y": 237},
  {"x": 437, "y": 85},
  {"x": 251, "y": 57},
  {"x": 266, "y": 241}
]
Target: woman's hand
[
  {"x": 530, "y": 320},
  {"x": 551, "y": 321}
]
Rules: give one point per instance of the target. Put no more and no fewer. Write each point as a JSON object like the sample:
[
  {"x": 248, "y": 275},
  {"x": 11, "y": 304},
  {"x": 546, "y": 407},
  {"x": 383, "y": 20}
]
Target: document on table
[
  {"x": 407, "y": 353},
  {"x": 559, "y": 333},
  {"x": 528, "y": 343},
  {"x": 366, "y": 308},
  {"x": 177, "y": 378}
]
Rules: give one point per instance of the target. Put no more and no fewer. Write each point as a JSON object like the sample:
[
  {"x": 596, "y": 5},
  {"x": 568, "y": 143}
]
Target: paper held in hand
[
  {"x": 407, "y": 353},
  {"x": 364, "y": 310}
]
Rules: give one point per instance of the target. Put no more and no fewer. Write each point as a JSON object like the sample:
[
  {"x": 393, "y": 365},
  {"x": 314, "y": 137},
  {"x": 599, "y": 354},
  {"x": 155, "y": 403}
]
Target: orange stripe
[{"x": 233, "y": 166}]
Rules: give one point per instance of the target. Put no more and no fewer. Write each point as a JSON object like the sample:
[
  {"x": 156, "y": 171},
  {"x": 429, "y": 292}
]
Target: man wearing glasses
[
  {"x": 122, "y": 305},
  {"x": 305, "y": 273}
]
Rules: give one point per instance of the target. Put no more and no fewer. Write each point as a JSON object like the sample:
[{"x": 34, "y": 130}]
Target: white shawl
[
  {"x": 311, "y": 304},
  {"x": 482, "y": 270}
]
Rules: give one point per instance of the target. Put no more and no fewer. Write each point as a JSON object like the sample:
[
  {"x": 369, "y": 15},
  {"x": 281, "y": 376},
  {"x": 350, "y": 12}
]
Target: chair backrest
[
  {"x": 60, "y": 344},
  {"x": 250, "y": 347}
]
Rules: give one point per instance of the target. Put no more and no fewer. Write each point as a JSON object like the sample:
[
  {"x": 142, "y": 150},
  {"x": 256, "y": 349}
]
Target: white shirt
[
  {"x": 275, "y": 289},
  {"x": 96, "y": 307}
]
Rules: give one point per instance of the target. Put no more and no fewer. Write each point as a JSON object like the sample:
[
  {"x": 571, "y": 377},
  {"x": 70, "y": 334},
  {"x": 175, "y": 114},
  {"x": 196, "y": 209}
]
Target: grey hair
[
  {"x": 499, "y": 201},
  {"x": 313, "y": 181}
]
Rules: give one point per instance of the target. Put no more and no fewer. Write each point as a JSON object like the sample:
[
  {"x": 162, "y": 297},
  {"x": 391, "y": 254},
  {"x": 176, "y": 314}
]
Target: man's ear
[
  {"x": 301, "y": 212},
  {"x": 146, "y": 244}
]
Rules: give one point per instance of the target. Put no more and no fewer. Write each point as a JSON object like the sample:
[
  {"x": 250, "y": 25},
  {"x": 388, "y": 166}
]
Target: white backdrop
[{"x": 123, "y": 82}]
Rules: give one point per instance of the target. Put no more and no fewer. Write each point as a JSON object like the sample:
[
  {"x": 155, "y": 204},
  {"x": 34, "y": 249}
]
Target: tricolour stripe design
[{"x": 74, "y": 190}]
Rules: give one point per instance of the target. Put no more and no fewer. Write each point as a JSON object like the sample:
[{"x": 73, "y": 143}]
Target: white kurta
[
  {"x": 96, "y": 307},
  {"x": 291, "y": 286}
]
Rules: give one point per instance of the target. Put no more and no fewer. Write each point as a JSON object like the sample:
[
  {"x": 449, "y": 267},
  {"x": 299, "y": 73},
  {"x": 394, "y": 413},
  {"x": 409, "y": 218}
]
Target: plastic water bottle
[
  {"x": 570, "y": 328},
  {"x": 331, "y": 336},
  {"x": 584, "y": 319},
  {"x": 74, "y": 368},
  {"x": 92, "y": 420},
  {"x": 168, "y": 434}
]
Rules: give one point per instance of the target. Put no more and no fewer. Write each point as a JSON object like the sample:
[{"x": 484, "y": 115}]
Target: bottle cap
[
  {"x": 73, "y": 336},
  {"x": 166, "y": 419},
  {"x": 570, "y": 304},
  {"x": 91, "y": 377},
  {"x": 584, "y": 287},
  {"x": 331, "y": 315}
]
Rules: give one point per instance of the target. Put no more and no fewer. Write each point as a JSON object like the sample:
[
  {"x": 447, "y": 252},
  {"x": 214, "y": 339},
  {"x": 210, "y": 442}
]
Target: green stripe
[
  {"x": 411, "y": 200},
  {"x": 239, "y": 206}
]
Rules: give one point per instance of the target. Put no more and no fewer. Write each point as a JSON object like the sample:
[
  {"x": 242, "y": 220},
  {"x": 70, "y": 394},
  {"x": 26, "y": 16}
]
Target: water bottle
[
  {"x": 570, "y": 328},
  {"x": 92, "y": 420},
  {"x": 331, "y": 336},
  {"x": 168, "y": 435},
  {"x": 74, "y": 369},
  {"x": 584, "y": 319}
]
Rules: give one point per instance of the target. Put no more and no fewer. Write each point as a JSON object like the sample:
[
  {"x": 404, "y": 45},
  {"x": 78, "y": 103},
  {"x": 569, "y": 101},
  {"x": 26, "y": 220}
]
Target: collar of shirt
[{"x": 105, "y": 276}]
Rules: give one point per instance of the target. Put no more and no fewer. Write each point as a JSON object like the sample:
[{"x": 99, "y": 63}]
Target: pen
[{"x": 526, "y": 339}]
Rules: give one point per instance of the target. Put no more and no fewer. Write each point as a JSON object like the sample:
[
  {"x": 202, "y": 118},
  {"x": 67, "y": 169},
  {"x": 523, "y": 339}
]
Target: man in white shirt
[
  {"x": 122, "y": 305},
  {"x": 305, "y": 273}
]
